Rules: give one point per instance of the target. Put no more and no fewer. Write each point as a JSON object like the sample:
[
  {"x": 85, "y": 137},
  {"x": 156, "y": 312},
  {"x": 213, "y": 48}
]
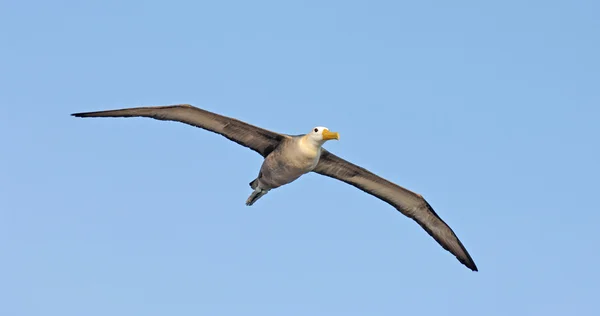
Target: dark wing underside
[
  {"x": 258, "y": 139},
  {"x": 405, "y": 201}
]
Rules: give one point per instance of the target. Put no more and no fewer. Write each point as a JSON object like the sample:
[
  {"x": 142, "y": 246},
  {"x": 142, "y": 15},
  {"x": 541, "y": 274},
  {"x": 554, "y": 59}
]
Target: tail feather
[{"x": 257, "y": 194}]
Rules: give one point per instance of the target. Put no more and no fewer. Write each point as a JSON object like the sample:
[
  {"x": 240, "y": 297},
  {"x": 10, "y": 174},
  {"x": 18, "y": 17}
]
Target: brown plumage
[{"x": 288, "y": 157}]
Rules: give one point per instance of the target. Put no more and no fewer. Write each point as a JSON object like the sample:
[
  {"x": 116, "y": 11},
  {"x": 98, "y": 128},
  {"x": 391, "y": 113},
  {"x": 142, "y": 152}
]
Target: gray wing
[
  {"x": 407, "y": 202},
  {"x": 260, "y": 140}
]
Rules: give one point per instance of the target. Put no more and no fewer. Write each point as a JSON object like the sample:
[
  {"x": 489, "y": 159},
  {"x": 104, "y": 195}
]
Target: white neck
[
  {"x": 310, "y": 145},
  {"x": 311, "y": 142}
]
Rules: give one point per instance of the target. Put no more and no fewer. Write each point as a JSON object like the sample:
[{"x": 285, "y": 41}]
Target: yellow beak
[{"x": 327, "y": 135}]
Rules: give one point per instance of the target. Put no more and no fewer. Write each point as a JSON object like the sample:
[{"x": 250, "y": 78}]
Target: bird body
[
  {"x": 287, "y": 158},
  {"x": 292, "y": 158}
]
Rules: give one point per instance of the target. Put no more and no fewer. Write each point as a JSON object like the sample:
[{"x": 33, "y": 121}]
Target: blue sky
[{"x": 490, "y": 111}]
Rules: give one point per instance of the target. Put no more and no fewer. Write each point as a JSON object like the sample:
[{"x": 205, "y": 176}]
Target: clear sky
[{"x": 490, "y": 111}]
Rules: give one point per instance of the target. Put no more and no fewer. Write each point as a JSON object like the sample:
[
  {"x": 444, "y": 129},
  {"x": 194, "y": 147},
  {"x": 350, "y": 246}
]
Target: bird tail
[{"x": 257, "y": 194}]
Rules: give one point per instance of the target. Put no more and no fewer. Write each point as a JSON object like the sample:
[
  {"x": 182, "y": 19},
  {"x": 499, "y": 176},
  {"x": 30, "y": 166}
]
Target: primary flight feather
[{"x": 289, "y": 157}]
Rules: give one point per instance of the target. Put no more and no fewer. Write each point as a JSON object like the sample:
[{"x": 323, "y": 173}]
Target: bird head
[{"x": 322, "y": 134}]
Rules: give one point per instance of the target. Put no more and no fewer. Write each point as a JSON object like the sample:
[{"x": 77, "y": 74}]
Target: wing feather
[
  {"x": 258, "y": 139},
  {"x": 407, "y": 202}
]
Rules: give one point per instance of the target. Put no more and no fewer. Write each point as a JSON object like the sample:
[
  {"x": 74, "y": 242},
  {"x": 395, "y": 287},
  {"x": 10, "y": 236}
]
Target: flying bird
[{"x": 288, "y": 157}]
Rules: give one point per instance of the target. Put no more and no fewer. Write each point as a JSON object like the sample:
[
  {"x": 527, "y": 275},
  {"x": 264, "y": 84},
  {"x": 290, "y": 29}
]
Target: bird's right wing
[
  {"x": 258, "y": 139},
  {"x": 407, "y": 202}
]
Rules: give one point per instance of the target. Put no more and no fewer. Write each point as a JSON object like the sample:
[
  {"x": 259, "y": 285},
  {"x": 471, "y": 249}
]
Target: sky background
[{"x": 490, "y": 111}]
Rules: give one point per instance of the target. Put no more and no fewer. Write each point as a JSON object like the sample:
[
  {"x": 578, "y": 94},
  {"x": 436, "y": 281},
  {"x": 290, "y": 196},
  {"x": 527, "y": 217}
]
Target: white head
[{"x": 320, "y": 134}]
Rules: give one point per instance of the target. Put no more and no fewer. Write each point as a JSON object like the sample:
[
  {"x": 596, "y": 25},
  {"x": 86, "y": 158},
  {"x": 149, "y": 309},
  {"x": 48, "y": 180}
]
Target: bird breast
[
  {"x": 296, "y": 156},
  {"x": 303, "y": 156},
  {"x": 287, "y": 163}
]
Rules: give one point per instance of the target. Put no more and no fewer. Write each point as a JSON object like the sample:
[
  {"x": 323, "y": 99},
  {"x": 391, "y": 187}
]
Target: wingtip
[{"x": 471, "y": 265}]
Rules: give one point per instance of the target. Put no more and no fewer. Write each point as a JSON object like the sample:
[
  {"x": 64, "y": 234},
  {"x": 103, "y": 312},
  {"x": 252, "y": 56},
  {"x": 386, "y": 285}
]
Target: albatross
[{"x": 288, "y": 157}]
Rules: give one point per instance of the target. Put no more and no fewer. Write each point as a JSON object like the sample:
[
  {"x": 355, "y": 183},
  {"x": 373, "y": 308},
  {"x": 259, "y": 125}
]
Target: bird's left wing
[
  {"x": 258, "y": 139},
  {"x": 407, "y": 202}
]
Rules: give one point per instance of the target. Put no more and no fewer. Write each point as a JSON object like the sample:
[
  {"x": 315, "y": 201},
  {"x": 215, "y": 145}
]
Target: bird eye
[{"x": 316, "y": 130}]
